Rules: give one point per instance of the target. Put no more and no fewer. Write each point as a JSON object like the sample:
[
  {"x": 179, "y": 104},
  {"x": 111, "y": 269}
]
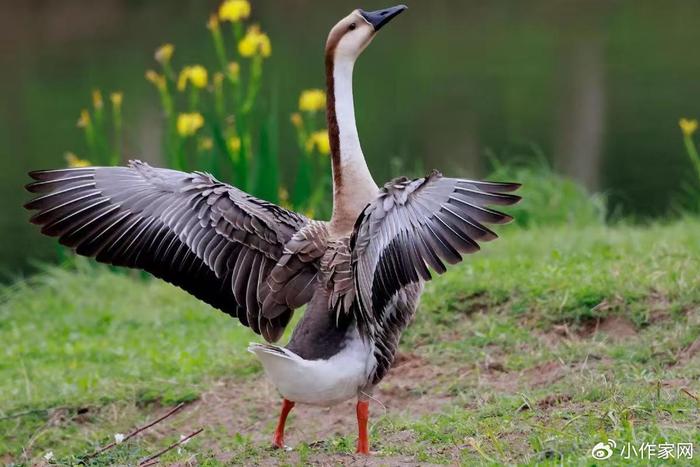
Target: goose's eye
[{"x": 352, "y": 26}]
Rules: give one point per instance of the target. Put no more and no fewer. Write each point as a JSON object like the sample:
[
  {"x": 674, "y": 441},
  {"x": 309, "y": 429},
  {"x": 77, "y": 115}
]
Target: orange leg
[
  {"x": 362, "y": 418},
  {"x": 278, "y": 440}
]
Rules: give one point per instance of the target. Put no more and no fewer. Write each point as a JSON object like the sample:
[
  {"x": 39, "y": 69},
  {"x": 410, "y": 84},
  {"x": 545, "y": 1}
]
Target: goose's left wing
[{"x": 414, "y": 226}]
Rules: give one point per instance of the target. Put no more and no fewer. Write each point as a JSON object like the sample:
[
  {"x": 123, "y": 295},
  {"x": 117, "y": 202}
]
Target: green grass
[
  {"x": 511, "y": 332},
  {"x": 549, "y": 198}
]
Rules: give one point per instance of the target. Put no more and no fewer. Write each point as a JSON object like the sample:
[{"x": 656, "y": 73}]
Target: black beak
[{"x": 380, "y": 17}]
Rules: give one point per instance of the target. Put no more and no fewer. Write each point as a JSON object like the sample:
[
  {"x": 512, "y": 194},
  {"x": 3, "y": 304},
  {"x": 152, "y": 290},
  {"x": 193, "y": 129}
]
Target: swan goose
[{"x": 359, "y": 275}]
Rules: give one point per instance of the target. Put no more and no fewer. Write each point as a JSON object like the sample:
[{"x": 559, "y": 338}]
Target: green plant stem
[
  {"x": 171, "y": 139},
  {"x": 302, "y": 184},
  {"x": 90, "y": 140},
  {"x": 244, "y": 155},
  {"x": 220, "y": 49},
  {"x": 220, "y": 143},
  {"x": 181, "y": 161},
  {"x": 265, "y": 179},
  {"x": 301, "y": 192},
  {"x": 100, "y": 138},
  {"x": 166, "y": 100},
  {"x": 169, "y": 72},
  {"x": 117, "y": 128},
  {"x": 219, "y": 101},
  {"x": 237, "y": 33},
  {"x": 194, "y": 98},
  {"x": 237, "y": 29},
  {"x": 692, "y": 153},
  {"x": 254, "y": 83}
]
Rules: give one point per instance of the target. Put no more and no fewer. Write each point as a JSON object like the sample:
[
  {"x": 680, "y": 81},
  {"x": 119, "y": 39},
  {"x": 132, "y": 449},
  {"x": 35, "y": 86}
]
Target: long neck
[{"x": 353, "y": 186}]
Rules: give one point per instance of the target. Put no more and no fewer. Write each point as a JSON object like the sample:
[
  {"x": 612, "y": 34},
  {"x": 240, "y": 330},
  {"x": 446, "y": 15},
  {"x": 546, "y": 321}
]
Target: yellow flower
[
  {"x": 97, "y": 99},
  {"x": 205, "y": 144},
  {"x": 234, "y": 10},
  {"x": 183, "y": 78},
  {"x": 283, "y": 194},
  {"x": 296, "y": 119},
  {"x": 156, "y": 79},
  {"x": 255, "y": 43},
  {"x": 75, "y": 162},
  {"x": 312, "y": 100},
  {"x": 196, "y": 74},
  {"x": 84, "y": 119},
  {"x": 116, "y": 98},
  {"x": 164, "y": 53},
  {"x": 234, "y": 70},
  {"x": 189, "y": 123},
  {"x": 688, "y": 126},
  {"x": 320, "y": 141},
  {"x": 234, "y": 144},
  {"x": 213, "y": 23}
]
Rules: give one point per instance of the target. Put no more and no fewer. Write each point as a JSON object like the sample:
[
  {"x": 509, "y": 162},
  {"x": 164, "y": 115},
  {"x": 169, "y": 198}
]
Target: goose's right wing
[
  {"x": 414, "y": 226},
  {"x": 211, "y": 239}
]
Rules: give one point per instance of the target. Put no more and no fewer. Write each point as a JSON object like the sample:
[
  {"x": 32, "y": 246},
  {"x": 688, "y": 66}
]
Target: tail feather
[{"x": 270, "y": 349}]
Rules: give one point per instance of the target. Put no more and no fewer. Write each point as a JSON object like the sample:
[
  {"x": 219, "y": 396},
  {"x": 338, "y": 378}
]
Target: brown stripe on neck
[{"x": 331, "y": 117}]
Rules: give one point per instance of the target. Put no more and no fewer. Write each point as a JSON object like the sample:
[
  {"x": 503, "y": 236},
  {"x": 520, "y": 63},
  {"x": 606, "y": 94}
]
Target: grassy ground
[{"x": 546, "y": 343}]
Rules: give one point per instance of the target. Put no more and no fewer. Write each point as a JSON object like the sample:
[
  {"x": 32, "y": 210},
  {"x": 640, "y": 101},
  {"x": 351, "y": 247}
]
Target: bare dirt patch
[
  {"x": 541, "y": 375},
  {"x": 689, "y": 352},
  {"x": 659, "y": 308},
  {"x": 553, "y": 400},
  {"x": 251, "y": 409},
  {"x": 546, "y": 373},
  {"x": 616, "y": 328}
]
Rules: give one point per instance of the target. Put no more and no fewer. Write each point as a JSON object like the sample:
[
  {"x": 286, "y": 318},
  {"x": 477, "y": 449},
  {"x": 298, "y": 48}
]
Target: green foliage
[
  {"x": 576, "y": 274},
  {"x": 220, "y": 119},
  {"x": 549, "y": 198},
  {"x": 689, "y": 127},
  {"x": 103, "y": 132},
  {"x": 312, "y": 188},
  {"x": 690, "y": 200}
]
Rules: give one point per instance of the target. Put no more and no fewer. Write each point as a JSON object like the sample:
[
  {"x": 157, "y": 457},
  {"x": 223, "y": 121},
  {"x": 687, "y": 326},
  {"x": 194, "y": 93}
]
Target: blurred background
[{"x": 595, "y": 88}]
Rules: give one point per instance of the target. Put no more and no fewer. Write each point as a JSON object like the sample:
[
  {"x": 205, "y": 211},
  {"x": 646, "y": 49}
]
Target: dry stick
[
  {"x": 690, "y": 394},
  {"x": 137, "y": 431},
  {"x": 148, "y": 460}
]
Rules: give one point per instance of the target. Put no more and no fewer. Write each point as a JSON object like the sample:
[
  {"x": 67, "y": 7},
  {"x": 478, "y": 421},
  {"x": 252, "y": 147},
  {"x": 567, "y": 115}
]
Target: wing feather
[
  {"x": 211, "y": 239},
  {"x": 412, "y": 227}
]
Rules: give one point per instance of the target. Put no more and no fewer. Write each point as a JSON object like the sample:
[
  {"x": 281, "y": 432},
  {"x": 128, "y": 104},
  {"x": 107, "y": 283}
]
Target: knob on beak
[{"x": 381, "y": 17}]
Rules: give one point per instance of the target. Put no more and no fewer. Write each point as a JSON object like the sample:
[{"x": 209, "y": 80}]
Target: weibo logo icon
[{"x": 602, "y": 451}]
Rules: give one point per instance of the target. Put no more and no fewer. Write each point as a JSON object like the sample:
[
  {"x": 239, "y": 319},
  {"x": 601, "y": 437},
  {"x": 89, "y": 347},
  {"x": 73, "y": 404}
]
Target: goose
[{"x": 360, "y": 274}]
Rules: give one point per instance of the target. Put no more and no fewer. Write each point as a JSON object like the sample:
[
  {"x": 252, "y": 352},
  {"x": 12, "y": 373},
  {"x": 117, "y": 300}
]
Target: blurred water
[{"x": 597, "y": 86}]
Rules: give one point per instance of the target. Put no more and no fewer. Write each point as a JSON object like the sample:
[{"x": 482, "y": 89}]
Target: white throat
[{"x": 357, "y": 188}]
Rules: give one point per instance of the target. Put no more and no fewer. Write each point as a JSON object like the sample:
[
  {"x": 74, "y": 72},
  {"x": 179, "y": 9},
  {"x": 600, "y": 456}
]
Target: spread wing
[
  {"x": 212, "y": 240},
  {"x": 412, "y": 227}
]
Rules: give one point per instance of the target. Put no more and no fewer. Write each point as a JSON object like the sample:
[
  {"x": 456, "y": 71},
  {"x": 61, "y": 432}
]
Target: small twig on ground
[
  {"x": 136, "y": 431},
  {"x": 148, "y": 461},
  {"x": 26, "y": 450},
  {"x": 690, "y": 394}
]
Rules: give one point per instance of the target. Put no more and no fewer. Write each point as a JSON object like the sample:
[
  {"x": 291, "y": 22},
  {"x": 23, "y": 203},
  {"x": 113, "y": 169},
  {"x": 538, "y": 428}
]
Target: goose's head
[{"x": 353, "y": 33}]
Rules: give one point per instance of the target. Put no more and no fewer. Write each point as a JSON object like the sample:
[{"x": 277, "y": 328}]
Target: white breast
[{"x": 317, "y": 382}]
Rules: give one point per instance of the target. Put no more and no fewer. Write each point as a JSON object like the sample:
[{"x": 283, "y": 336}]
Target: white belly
[{"x": 317, "y": 382}]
